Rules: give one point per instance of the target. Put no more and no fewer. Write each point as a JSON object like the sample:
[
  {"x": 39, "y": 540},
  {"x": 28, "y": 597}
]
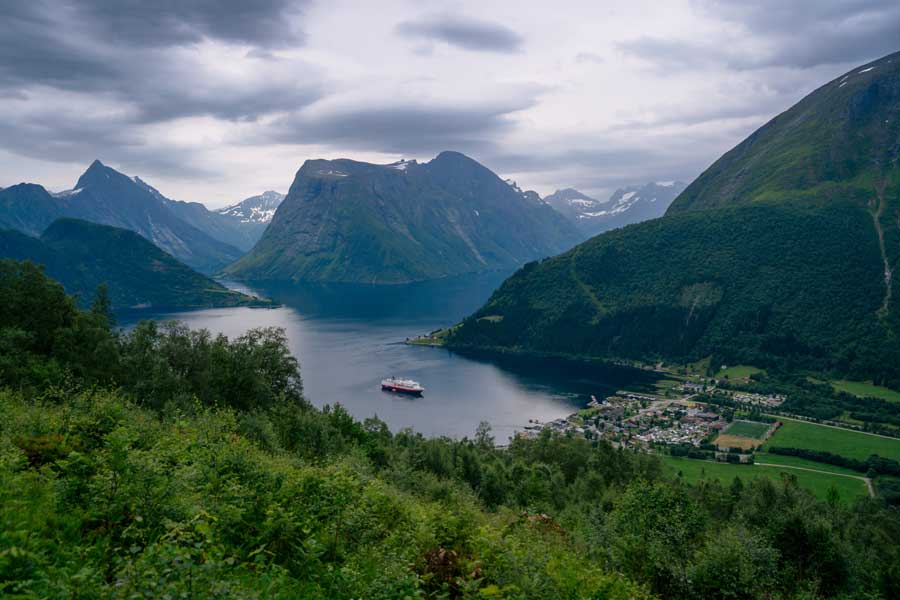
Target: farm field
[
  {"x": 865, "y": 388},
  {"x": 818, "y": 483},
  {"x": 852, "y": 444},
  {"x": 742, "y": 434},
  {"x": 748, "y": 429}
]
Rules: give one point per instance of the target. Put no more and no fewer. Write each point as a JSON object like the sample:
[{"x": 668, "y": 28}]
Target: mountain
[
  {"x": 103, "y": 195},
  {"x": 222, "y": 228},
  {"x": 626, "y": 206},
  {"x": 29, "y": 208},
  {"x": 256, "y": 209},
  {"x": 82, "y": 255},
  {"x": 782, "y": 253},
  {"x": 254, "y": 214},
  {"x": 348, "y": 221}
]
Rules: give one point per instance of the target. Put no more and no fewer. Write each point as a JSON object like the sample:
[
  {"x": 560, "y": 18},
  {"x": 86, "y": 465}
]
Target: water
[{"x": 349, "y": 337}]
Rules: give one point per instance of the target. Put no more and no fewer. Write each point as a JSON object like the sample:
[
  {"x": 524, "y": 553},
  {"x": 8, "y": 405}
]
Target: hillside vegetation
[
  {"x": 137, "y": 274},
  {"x": 164, "y": 462},
  {"x": 780, "y": 254}
]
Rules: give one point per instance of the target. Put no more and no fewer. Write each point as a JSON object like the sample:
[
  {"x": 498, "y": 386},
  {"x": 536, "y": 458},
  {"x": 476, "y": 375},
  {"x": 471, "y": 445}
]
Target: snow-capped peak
[
  {"x": 626, "y": 205},
  {"x": 257, "y": 209}
]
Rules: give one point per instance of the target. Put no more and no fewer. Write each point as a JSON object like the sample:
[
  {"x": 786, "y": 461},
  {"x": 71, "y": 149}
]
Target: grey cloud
[
  {"x": 136, "y": 58},
  {"x": 802, "y": 34},
  {"x": 52, "y": 136},
  {"x": 756, "y": 102},
  {"x": 157, "y": 99},
  {"x": 597, "y": 164},
  {"x": 266, "y": 23},
  {"x": 130, "y": 49},
  {"x": 469, "y": 34},
  {"x": 37, "y": 48},
  {"x": 403, "y": 127}
]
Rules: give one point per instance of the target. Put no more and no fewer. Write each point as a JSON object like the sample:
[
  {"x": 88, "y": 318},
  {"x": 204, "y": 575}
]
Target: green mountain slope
[
  {"x": 357, "y": 222},
  {"x": 839, "y": 141},
  {"x": 756, "y": 261},
  {"x": 82, "y": 255}
]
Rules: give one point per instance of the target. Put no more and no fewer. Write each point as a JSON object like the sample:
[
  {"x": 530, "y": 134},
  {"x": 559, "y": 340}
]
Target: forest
[
  {"x": 161, "y": 461},
  {"x": 742, "y": 285}
]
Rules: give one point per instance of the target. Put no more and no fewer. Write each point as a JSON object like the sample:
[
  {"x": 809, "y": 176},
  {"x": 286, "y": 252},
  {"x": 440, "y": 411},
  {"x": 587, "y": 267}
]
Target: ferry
[{"x": 402, "y": 386}]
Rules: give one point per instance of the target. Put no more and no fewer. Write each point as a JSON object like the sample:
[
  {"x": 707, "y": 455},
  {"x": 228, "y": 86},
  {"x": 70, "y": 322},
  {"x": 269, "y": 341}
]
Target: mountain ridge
[
  {"x": 350, "y": 221},
  {"x": 781, "y": 255},
  {"x": 106, "y": 196}
]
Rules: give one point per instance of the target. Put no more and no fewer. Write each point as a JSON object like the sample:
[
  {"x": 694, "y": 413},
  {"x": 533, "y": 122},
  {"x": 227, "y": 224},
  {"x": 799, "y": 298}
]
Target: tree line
[{"x": 166, "y": 462}]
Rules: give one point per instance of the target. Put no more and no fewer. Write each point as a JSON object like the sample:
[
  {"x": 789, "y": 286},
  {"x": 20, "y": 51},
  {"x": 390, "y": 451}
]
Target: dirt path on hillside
[
  {"x": 573, "y": 271},
  {"x": 865, "y": 480},
  {"x": 876, "y": 209}
]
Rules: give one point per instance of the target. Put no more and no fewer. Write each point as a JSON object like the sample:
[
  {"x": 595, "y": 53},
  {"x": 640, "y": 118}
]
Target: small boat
[{"x": 402, "y": 386}]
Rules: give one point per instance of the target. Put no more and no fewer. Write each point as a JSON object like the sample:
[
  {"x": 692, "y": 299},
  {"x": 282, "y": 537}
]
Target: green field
[
  {"x": 865, "y": 389},
  {"x": 852, "y": 444},
  {"x": 748, "y": 429},
  {"x": 818, "y": 483},
  {"x": 794, "y": 461},
  {"x": 738, "y": 372}
]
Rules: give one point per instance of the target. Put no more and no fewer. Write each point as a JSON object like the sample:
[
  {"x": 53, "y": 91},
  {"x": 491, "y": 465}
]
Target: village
[{"x": 693, "y": 414}]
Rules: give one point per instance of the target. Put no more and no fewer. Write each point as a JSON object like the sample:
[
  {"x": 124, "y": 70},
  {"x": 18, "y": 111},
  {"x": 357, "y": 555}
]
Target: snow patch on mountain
[
  {"x": 66, "y": 193},
  {"x": 402, "y": 165}
]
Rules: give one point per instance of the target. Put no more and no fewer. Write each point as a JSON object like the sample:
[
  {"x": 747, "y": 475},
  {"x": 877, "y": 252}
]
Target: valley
[{"x": 665, "y": 366}]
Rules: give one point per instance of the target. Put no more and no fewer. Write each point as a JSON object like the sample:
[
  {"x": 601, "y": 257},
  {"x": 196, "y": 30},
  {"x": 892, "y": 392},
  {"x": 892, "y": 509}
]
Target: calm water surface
[{"x": 348, "y": 337}]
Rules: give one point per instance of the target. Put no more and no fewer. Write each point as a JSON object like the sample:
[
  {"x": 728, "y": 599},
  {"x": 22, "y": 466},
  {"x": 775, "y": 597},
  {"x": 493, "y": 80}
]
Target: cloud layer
[
  {"x": 470, "y": 34},
  {"x": 213, "y": 101}
]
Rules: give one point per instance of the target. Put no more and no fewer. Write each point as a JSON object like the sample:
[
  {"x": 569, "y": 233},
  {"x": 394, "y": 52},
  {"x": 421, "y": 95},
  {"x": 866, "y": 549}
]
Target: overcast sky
[{"x": 217, "y": 101}]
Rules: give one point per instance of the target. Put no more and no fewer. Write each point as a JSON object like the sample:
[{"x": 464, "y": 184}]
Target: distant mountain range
[
  {"x": 82, "y": 255},
  {"x": 348, "y": 221},
  {"x": 202, "y": 239},
  {"x": 254, "y": 213},
  {"x": 626, "y": 206},
  {"x": 782, "y": 254},
  {"x": 256, "y": 209}
]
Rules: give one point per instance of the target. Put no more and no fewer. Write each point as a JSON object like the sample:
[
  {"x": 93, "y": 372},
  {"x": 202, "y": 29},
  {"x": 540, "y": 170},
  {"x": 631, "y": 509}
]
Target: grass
[
  {"x": 794, "y": 461},
  {"x": 865, "y": 389},
  {"x": 435, "y": 338},
  {"x": 748, "y": 429},
  {"x": 664, "y": 385},
  {"x": 491, "y": 318},
  {"x": 738, "y": 372},
  {"x": 699, "y": 367},
  {"x": 818, "y": 483},
  {"x": 852, "y": 444}
]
